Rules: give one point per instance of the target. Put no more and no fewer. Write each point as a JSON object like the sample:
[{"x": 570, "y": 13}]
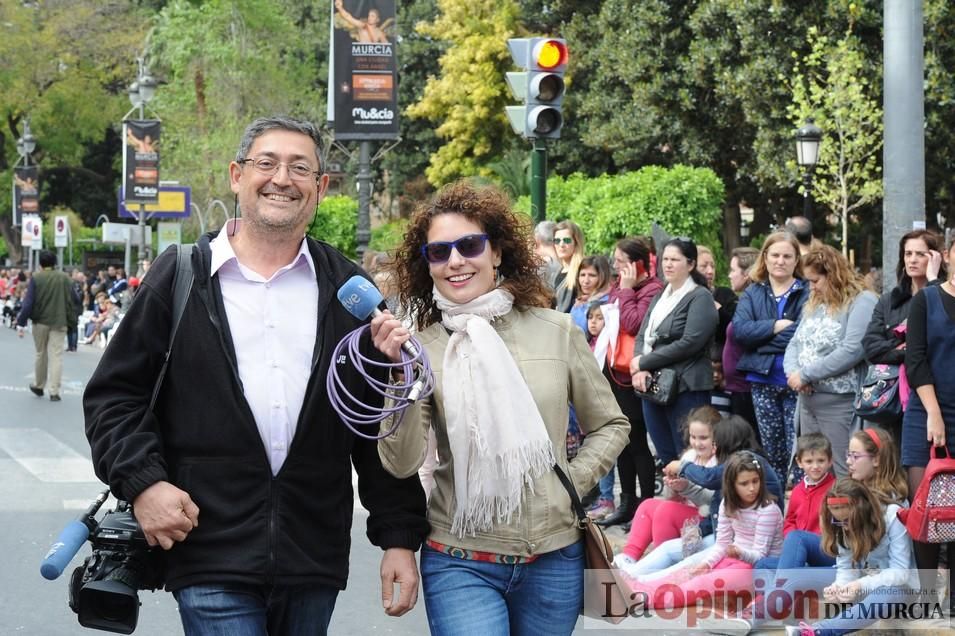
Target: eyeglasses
[
  {"x": 567, "y": 240},
  {"x": 853, "y": 457},
  {"x": 298, "y": 171},
  {"x": 469, "y": 246}
]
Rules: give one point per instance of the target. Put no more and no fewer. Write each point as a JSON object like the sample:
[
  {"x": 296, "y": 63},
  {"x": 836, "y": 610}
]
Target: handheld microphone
[
  {"x": 362, "y": 299},
  {"x": 70, "y": 541}
]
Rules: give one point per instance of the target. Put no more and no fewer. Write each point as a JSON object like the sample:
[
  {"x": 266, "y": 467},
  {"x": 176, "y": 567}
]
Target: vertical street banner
[
  {"x": 364, "y": 80},
  {"x": 141, "y": 160},
  {"x": 26, "y": 192}
]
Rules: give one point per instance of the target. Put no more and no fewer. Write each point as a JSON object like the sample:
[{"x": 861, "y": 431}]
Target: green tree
[
  {"x": 65, "y": 66},
  {"x": 469, "y": 96},
  {"x": 683, "y": 200},
  {"x": 225, "y": 63},
  {"x": 832, "y": 85}
]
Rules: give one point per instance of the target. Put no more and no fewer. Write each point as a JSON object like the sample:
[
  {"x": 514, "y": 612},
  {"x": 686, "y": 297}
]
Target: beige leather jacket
[{"x": 559, "y": 368}]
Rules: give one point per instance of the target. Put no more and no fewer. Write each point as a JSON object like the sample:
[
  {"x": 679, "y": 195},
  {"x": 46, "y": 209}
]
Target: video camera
[{"x": 104, "y": 590}]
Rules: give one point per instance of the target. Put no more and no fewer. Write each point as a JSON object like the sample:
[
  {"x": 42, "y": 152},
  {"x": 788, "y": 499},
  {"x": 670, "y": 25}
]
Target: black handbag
[
  {"x": 661, "y": 387},
  {"x": 878, "y": 400}
]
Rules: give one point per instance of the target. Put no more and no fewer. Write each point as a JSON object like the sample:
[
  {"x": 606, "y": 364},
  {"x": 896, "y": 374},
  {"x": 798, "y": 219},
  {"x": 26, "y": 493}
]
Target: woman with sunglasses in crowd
[
  {"x": 569, "y": 244},
  {"x": 764, "y": 323},
  {"x": 506, "y": 368},
  {"x": 824, "y": 361},
  {"x": 676, "y": 334},
  {"x": 633, "y": 291}
]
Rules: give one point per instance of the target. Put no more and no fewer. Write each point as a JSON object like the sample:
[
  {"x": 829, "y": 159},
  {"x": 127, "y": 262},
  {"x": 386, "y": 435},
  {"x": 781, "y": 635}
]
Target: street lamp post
[
  {"x": 141, "y": 92},
  {"x": 26, "y": 144},
  {"x": 808, "y": 139}
]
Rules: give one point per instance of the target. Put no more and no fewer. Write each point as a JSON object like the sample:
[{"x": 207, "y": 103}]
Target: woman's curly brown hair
[{"x": 507, "y": 232}]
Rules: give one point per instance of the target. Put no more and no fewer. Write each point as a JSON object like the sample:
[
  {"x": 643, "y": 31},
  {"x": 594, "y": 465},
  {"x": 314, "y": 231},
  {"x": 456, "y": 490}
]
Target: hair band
[
  {"x": 838, "y": 501},
  {"x": 874, "y": 437}
]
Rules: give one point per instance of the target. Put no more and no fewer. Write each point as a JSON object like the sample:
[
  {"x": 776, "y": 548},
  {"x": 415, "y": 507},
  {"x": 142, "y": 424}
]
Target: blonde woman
[
  {"x": 825, "y": 357},
  {"x": 569, "y": 244}
]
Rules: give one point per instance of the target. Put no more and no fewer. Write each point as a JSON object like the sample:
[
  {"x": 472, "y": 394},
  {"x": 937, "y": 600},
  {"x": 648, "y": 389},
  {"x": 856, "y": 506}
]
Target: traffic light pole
[{"x": 539, "y": 181}]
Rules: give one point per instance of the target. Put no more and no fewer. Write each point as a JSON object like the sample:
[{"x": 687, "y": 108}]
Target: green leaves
[{"x": 685, "y": 201}]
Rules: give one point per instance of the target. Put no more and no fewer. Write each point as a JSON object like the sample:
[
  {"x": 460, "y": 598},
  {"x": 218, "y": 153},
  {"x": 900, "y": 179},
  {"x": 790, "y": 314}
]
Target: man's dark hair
[
  {"x": 263, "y": 125},
  {"x": 801, "y": 228},
  {"x": 47, "y": 259}
]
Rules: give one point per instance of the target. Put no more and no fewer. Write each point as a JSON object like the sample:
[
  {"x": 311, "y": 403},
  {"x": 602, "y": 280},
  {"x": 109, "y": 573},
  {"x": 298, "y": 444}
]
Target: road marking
[
  {"x": 83, "y": 504},
  {"x": 65, "y": 389},
  {"x": 45, "y": 457}
]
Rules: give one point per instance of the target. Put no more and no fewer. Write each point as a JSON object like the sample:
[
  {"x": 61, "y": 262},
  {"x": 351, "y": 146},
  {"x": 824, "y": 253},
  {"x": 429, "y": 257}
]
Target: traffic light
[{"x": 540, "y": 86}]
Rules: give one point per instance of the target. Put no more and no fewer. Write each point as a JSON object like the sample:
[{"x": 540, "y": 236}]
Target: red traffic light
[{"x": 550, "y": 54}]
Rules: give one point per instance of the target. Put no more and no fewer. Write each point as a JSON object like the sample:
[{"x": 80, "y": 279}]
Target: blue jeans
[
  {"x": 667, "y": 555},
  {"x": 477, "y": 598},
  {"x": 234, "y": 609},
  {"x": 802, "y": 565},
  {"x": 606, "y": 485},
  {"x": 664, "y": 423}
]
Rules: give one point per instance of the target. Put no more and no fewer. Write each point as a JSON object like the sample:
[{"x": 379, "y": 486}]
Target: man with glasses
[{"x": 242, "y": 471}]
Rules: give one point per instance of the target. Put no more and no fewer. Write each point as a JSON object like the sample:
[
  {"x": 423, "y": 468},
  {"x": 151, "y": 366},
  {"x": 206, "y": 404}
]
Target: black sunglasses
[{"x": 469, "y": 246}]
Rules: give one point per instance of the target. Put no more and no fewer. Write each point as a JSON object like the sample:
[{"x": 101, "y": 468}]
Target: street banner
[
  {"x": 171, "y": 202},
  {"x": 61, "y": 231},
  {"x": 26, "y": 192},
  {"x": 141, "y": 160},
  {"x": 364, "y": 73}
]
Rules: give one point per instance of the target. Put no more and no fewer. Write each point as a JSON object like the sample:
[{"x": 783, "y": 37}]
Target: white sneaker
[{"x": 727, "y": 626}]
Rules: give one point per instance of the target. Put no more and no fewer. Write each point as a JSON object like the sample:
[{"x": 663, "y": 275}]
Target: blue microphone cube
[{"x": 359, "y": 296}]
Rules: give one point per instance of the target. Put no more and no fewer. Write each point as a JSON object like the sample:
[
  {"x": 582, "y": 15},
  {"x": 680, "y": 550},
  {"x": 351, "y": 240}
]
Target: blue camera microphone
[{"x": 70, "y": 541}]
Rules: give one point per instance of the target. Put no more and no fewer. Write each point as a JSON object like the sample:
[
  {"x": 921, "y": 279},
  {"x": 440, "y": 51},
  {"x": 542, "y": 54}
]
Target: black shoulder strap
[
  {"x": 574, "y": 499},
  {"x": 181, "y": 286}
]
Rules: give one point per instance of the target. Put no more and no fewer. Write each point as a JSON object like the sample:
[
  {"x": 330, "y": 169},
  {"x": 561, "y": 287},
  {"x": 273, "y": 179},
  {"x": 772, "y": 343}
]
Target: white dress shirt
[{"x": 273, "y": 324}]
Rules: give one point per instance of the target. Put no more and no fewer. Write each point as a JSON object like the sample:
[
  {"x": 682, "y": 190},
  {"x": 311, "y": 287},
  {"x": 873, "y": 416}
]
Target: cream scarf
[{"x": 498, "y": 439}]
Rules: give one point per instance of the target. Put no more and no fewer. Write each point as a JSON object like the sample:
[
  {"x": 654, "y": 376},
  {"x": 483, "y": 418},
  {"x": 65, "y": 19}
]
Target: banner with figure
[
  {"x": 26, "y": 192},
  {"x": 141, "y": 160},
  {"x": 364, "y": 77}
]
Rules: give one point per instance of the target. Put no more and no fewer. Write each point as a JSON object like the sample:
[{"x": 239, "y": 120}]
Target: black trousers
[{"x": 635, "y": 463}]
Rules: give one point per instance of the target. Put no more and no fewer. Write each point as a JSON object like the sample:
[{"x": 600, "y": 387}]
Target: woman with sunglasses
[
  {"x": 676, "y": 334},
  {"x": 824, "y": 361},
  {"x": 569, "y": 244},
  {"x": 506, "y": 369}
]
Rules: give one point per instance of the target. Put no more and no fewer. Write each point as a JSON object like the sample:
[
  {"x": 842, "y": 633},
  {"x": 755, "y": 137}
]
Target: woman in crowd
[
  {"x": 593, "y": 285},
  {"x": 676, "y": 334},
  {"x": 506, "y": 369},
  {"x": 763, "y": 325},
  {"x": 741, "y": 397},
  {"x": 929, "y": 420},
  {"x": 920, "y": 264},
  {"x": 724, "y": 297},
  {"x": 824, "y": 360},
  {"x": 569, "y": 243},
  {"x": 633, "y": 291}
]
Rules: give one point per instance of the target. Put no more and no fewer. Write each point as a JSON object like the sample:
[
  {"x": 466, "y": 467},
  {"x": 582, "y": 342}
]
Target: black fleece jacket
[{"x": 291, "y": 528}]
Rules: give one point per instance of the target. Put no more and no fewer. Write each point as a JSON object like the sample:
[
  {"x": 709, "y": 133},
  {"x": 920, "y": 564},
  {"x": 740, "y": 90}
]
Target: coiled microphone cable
[{"x": 361, "y": 298}]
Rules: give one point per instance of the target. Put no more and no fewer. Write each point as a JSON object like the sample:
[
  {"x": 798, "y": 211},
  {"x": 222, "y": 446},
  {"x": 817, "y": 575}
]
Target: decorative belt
[{"x": 477, "y": 555}]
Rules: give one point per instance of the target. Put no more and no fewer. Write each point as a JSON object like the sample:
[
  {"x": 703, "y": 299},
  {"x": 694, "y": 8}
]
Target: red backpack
[{"x": 931, "y": 519}]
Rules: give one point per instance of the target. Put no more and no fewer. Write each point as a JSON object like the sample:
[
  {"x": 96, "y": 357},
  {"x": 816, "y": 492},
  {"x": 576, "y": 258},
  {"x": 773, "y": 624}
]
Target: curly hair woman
[{"x": 506, "y": 369}]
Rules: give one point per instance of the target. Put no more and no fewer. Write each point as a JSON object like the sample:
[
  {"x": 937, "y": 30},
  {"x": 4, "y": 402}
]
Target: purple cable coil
[{"x": 355, "y": 412}]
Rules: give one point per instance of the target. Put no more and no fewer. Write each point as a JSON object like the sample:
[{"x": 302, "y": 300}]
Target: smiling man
[{"x": 243, "y": 438}]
